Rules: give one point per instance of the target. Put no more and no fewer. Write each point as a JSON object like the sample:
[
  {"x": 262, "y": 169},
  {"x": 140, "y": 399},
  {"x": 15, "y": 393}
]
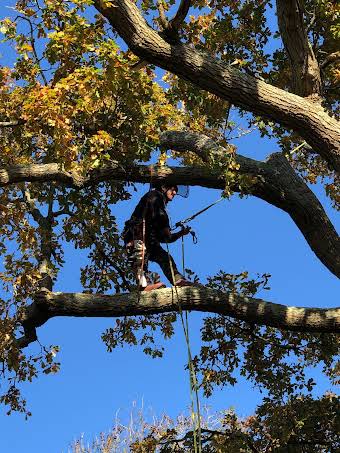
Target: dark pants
[
  {"x": 139, "y": 256},
  {"x": 160, "y": 256}
]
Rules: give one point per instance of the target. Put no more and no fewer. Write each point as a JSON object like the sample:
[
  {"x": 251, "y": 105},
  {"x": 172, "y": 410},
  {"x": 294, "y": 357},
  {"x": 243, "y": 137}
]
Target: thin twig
[
  {"x": 101, "y": 250},
  {"x": 32, "y": 41},
  {"x": 162, "y": 17}
]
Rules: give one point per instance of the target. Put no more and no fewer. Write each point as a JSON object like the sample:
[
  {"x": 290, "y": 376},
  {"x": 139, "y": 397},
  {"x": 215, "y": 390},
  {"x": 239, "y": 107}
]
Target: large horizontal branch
[
  {"x": 294, "y": 112},
  {"x": 306, "y": 78},
  {"x": 40, "y": 173},
  {"x": 276, "y": 183},
  {"x": 51, "y": 304}
]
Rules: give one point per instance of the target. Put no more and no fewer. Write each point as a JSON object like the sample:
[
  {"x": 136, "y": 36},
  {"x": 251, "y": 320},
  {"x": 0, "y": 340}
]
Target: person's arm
[
  {"x": 167, "y": 236},
  {"x": 160, "y": 220}
]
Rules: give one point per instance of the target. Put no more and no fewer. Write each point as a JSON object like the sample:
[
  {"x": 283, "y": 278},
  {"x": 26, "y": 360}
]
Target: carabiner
[{"x": 194, "y": 237}]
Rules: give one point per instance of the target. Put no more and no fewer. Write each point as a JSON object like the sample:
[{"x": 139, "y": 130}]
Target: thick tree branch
[
  {"x": 39, "y": 173},
  {"x": 50, "y": 304},
  {"x": 32, "y": 208},
  {"x": 306, "y": 78},
  {"x": 330, "y": 59},
  {"x": 276, "y": 183},
  {"x": 46, "y": 250},
  {"x": 30, "y": 335},
  {"x": 301, "y": 115},
  {"x": 44, "y": 260}
]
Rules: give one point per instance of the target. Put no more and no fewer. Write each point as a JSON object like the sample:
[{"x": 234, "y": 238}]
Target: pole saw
[{"x": 182, "y": 223}]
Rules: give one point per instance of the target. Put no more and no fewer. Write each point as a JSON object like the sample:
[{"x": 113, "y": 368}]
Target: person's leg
[
  {"x": 138, "y": 258},
  {"x": 138, "y": 261},
  {"x": 166, "y": 263}
]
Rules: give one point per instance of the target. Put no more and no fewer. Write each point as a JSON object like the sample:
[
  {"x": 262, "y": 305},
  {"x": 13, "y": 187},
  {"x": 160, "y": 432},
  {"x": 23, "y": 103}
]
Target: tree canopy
[{"x": 97, "y": 87}]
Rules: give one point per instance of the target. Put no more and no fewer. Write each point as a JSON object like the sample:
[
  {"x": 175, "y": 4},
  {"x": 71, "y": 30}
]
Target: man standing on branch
[{"x": 149, "y": 226}]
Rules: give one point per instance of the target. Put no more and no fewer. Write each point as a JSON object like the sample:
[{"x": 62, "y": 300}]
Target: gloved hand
[{"x": 185, "y": 230}]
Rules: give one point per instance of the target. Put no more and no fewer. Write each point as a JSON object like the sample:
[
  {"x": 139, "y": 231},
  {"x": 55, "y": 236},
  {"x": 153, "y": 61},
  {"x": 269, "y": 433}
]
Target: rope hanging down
[{"x": 195, "y": 403}]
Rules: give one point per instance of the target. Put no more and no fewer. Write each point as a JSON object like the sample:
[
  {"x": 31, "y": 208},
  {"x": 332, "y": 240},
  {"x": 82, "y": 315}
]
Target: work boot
[
  {"x": 184, "y": 282},
  {"x": 153, "y": 286}
]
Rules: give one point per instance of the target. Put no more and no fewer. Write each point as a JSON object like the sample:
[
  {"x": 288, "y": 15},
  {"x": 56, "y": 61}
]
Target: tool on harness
[{"x": 194, "y": 236}]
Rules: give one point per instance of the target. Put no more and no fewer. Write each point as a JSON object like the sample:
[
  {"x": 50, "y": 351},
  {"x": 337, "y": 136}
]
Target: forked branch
[
  {"x": 181, "y": 14},
  {"x": 171, "y": 28}
]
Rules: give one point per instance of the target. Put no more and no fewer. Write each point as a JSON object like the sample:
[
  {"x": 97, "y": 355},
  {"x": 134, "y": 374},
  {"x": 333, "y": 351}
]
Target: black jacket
[{"x": 151, "y": 207}]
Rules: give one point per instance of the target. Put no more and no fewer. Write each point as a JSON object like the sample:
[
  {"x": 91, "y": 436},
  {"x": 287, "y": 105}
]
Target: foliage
[
  {"x": 295, "y": 426},
  {"x": 82, "y": 105},
  {"x": 81, "y": 100}
]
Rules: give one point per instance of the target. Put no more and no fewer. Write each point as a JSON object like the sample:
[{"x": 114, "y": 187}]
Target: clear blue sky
[{"x": 93, "y": 385}]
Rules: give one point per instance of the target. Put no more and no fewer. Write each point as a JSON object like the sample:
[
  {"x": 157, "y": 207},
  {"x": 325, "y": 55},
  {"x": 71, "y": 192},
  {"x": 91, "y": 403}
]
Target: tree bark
[
  {"x": 306, "y": 78},
  {"x": 44, "y": 259},
  {"x": 50, "y": 304},
  {"x": 181, "y": 14},
  {"x": 39, "y": 173},
  {"x": 294, "y": 112}
]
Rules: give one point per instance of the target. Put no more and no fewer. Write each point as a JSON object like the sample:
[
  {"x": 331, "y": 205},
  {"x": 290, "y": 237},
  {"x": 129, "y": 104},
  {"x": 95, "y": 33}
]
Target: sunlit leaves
[
  {"x": 93, "y": 88},
  {"x": 82, "y": 100}
]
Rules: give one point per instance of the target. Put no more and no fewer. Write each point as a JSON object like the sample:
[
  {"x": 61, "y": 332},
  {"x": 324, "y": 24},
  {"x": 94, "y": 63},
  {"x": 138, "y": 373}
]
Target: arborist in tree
[{"x": 149, "y": 226}]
